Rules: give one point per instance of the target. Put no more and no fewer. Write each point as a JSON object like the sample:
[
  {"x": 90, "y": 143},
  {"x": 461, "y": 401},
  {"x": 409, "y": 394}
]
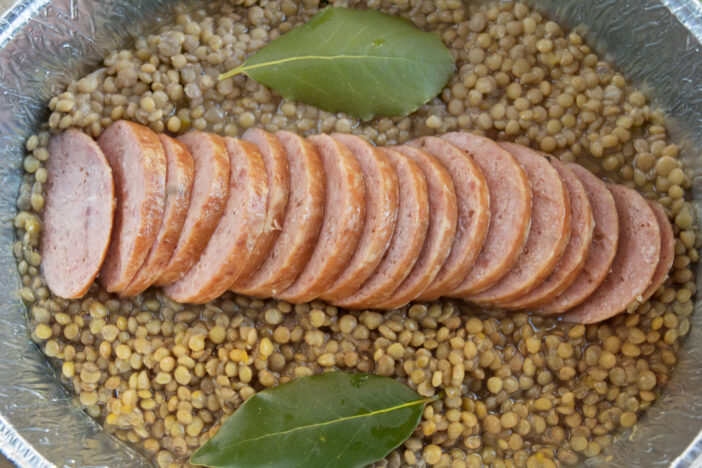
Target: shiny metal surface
[{"x": 44, "y": 44}]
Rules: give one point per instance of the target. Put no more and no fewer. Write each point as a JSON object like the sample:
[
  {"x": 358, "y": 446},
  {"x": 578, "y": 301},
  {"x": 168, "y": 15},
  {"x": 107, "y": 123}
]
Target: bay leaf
[
  {"x": 329, "y": 420},
  {"x": 361, "y": 62}
]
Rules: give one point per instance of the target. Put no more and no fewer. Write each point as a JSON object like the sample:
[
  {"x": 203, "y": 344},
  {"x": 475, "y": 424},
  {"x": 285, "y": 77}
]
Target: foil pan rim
[
  {"x": 689, "y": 13},
  {"x": 17, "y": 16},
  {"x": 18, "y": 450}
]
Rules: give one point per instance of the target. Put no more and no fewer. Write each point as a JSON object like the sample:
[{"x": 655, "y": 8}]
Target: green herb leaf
[
  {"x": 330, "y": 420},
  {"x": 361, "y": 62}
]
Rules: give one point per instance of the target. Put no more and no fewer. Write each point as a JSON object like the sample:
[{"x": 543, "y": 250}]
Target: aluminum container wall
[{"x": 44, "y": 44}]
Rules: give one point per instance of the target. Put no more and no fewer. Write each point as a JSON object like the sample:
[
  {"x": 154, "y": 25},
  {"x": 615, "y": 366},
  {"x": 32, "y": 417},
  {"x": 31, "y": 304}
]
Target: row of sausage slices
[{"x": 335, "y": 218}]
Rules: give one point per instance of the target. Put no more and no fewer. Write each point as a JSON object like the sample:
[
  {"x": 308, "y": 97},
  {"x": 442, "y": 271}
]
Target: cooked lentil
[{"x": 519, "y": 390}]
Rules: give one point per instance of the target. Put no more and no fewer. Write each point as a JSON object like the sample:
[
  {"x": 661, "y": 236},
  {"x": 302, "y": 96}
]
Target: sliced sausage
[
  {"x": 179, "y": 182},
  {"x": 138, "y": 164},
  {"x": 381, "y": 185},
  {"x": 207, "y": 199},
  {"x": 278, "y": 176},
  {"x": 605, "y": 238},
  {"x": 549, "y": 232},
  {"x": 78, "y": 213},
  {"x": 634, "y": 265},
  {"x": 303, "y": 218},
  {"x": 344, "y": 211},
  {"x": 472, "y": 199},
  {"x": 510, "y": 212},
  {"x": 440, "y": 231},
  {"x": 407, "y": 240},
  {"x": 667, "y": 250},
  {"x": 573, "y": 260},
  {"x": 231, "y": 251}
]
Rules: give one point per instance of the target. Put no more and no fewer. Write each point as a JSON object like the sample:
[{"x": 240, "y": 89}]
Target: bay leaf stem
[
  {"x": 243, "y": 68},
  {"x": 421, "y": 402}
]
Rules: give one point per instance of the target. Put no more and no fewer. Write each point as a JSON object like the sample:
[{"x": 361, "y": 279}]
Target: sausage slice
[
  {"x": 303, "y": 218},
  {"x": 179, "y": 182},
  {"x": 573, "y": 260},
  {"x": 634, "y": 265},
  {"x": 407, "y": 240},
  {"x": 209, "y": 194},
  {"x": 472, "y": 200},
  {"x": 605, "y": 239},
  {"x": 231, "y": 251},
  {"x": 510, "y": 212},
  {"x": 381, "y": 185},
  {"x": 344, "y": 211},
  {"x": 667, "y": 250},
  {"x": 278, "y": 176},
  {"x": 548, "y": 235},
  {"x": 78, "y": 213},
  {"x": 138, "y": 164},
  {"x": 440, "y": 231}
]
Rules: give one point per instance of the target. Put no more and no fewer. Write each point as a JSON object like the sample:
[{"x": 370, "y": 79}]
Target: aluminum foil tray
[{"x": 44, "y": 44}]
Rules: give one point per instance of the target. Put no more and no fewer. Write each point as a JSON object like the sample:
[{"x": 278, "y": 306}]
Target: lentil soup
[{"x": 520, "y": 390}]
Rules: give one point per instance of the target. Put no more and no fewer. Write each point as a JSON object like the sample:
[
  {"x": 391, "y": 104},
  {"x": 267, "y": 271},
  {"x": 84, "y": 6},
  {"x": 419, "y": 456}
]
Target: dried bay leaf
[
  {"x": 330, "y": 420},
  {"x": 361, "y": 62}
]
